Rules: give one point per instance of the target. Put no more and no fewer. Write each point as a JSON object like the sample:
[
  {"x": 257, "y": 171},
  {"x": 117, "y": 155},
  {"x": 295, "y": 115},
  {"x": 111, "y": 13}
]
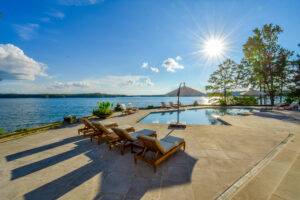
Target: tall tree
[
  {"x": 223, "y": 79},
  {"x": 263, "y": 52}
]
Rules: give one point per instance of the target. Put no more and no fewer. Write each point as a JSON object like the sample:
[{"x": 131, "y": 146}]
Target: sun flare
[{"x": 213, "y": 47}]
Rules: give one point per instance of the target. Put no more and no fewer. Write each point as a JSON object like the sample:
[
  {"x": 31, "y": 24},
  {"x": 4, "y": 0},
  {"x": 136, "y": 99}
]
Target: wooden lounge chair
[
  {"x": 125, "y": 111},
  {"x": 280, "y": 105},
  {"x": 292, "y": 106},
  {"x": 132, "y": 108},
  {"x": 130, "y": 139},
  {"x": 163, "y": 105},
  {"x": 105, "y": 133},
  {"x": 162, "y": 148},
  {"x": 90, "y": 128},
  {"x": 173, "y": 105}
]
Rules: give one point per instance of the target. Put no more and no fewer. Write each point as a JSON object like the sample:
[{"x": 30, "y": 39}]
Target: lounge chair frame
[
  {"x": 158, "y": 156},
  {"x": 88, "y": 127},
  {"x": 126, "y": 142}
]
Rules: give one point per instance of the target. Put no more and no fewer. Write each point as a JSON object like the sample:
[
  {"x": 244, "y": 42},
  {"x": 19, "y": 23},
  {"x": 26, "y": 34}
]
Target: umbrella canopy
[
  {"x": 253, "y": 92},
  {"x": 184, "y": 90}
]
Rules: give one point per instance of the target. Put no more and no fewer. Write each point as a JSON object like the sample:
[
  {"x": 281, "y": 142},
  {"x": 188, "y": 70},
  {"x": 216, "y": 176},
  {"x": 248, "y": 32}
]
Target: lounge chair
[
  {"x": 132, "y": 108},
  {"x": 280, "y": 105},
  {"x": 162, "y": 148},
  {"x": 163, "y": 105},
  {"x": 90, "y": 128},
  {"x": 105, "y": 133},
  {"x": 292, "y": 106},
  {"x": 130, "y": 139},
  {"x": 173, "y": 105},
  {"x": 125, "y": 111}
]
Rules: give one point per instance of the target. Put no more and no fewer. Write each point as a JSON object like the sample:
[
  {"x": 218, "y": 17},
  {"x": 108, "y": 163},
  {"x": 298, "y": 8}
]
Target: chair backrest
[
  {"x": 122, "y": 133},
  {"x": 123, "y": 107},
  {"x": 100, "y": 127},
  {"x": 171, "y": 103},
  {"x": 151, "y": 143},
  {"x": 130, "y": 106},
  {"x": 87, "y": 123},
  {"x": 292, "y": 105},
  {"x": 163, "y": 104}
]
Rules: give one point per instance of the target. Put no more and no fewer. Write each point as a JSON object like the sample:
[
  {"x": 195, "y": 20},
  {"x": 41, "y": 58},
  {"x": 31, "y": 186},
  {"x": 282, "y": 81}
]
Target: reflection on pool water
[{"x": 207, "y": 116}]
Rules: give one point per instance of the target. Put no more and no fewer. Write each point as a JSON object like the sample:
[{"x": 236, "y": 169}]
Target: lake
[{"x": 23, "y": 113}]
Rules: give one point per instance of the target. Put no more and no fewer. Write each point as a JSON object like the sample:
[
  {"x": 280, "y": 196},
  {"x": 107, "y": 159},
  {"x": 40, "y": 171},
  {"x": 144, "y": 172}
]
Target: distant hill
[
  {"x": 186, "y": 91},
  {"x": 87, "y": 95}
]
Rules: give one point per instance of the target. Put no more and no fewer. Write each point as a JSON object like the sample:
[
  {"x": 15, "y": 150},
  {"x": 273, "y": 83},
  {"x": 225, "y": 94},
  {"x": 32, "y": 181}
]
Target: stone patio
[{"x": 59, "y": 164}]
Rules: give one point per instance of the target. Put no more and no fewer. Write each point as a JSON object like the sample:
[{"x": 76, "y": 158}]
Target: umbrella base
[{"x": 177, "y": 125}]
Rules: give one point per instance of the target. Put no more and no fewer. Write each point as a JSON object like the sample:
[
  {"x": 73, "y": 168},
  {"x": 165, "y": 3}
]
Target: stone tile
[
  {"x": 173, "y": 190},
  {"x": 216, "y": 154},
  {"x": 206, "y": 191},
  {"x": 142, "y": 187},
  {"x": 117, "y": 183},
  {"x": 289, "y": 186}
]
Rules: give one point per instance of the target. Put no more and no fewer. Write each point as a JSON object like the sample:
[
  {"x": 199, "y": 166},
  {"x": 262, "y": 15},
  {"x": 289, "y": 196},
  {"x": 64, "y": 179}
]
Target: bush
[
  {"x": 118, "y": 107},
  {"x": 195, "y": 103},
  {"x": 150, "y": 107},
  {"x": 244, "y": 101},
  {"x": 2, "y": 131},
  {"x": 103, "y": 110}
]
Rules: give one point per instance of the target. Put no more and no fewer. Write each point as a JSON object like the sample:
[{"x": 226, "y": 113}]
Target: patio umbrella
[
  {"x": 253, "y": 92},
  {"x": 185, "y": 91}
]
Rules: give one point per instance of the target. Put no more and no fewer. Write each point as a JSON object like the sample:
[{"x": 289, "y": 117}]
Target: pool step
[{"x": 264, "y": 184}]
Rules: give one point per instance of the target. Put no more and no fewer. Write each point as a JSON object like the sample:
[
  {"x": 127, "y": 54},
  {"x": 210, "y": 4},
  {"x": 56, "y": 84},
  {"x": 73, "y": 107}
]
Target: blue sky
[{"x": 82, "y": 46}]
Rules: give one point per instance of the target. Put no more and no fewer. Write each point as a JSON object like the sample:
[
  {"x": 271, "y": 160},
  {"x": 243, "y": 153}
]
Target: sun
[{"x": 213, "y": 47}]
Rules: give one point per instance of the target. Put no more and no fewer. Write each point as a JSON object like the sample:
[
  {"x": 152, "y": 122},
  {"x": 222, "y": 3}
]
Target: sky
[{"x": 128, "y": 46}]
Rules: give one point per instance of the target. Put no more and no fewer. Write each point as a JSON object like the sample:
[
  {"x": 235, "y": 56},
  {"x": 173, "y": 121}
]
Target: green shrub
[
  {"x": 103, "y": 109},
  {"x": 2, "y": 131},
  {"x": 150, "y": 107},
  {"x": 290, "y": 99},
  {"x": 244, "y": 101},
  {"x": 195, "y": 103},
  {"x": 118, "y": 107}
]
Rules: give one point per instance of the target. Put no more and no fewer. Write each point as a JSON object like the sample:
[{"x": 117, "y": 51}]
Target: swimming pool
[{"x": 204, "y": 116}]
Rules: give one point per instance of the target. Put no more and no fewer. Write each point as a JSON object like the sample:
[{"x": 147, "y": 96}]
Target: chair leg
[
  {"x": 91, "y": 137},
  {"x": 184, "y": 146},
  {"x": 154, "y": 168},
  {"x": 122, "y": 149},
  {"x": 135, "y": 158}
]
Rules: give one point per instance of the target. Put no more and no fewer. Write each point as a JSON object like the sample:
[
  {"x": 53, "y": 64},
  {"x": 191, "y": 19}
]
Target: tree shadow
[
  {"x": 289, "y": 116},
  {"x": 42, "y": 148}
]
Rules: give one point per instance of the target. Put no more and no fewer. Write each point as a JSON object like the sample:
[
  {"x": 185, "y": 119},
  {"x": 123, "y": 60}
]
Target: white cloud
[
  {"x": 154, "y": 69},
  {"x": 15, "y": 65},
  {"x": 79, "y": 2},
  {"x": 26, "y": 31},
  {"x": 138, "y": 82},
  {"x": 145, "y": 65},
  {"x": 171, "y": 65},
  {"x": 149, "y": 82},
  {"x": 45, "y": 19},
  {"x": 78, "y": 84},
  {"x": 56, "y": 14},
  {"x": 178, "y": 58}
]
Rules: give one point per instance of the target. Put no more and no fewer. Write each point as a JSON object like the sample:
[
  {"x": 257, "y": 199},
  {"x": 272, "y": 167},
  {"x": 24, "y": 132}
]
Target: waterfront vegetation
[
  {"x": 104, "y": 110},
  {"x": 266, "y": 66}
]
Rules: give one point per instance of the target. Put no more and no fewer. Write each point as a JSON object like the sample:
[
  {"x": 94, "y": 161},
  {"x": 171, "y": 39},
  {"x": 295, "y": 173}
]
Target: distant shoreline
[{"x": 88, "y": 95}]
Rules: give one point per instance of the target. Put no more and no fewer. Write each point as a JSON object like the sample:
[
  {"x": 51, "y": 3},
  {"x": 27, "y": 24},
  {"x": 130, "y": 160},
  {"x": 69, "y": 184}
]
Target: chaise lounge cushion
[
  {"x": 143, "y": 132},
  {"x": 172, "y": 139}
]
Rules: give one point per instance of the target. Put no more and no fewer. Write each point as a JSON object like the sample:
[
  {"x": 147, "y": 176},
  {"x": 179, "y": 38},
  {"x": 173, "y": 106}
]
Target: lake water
[{"x": 22, "y": 113}]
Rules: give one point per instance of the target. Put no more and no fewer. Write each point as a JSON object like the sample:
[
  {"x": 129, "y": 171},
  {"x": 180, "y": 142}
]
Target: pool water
[{"x": 205, "y": 116}]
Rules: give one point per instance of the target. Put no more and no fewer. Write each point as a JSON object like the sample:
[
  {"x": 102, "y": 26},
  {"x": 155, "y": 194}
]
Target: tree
[
  {"x": 295, "y": 80},
  {"x": 264, "y": 54},
  {"x": 223, "y": 79}
]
